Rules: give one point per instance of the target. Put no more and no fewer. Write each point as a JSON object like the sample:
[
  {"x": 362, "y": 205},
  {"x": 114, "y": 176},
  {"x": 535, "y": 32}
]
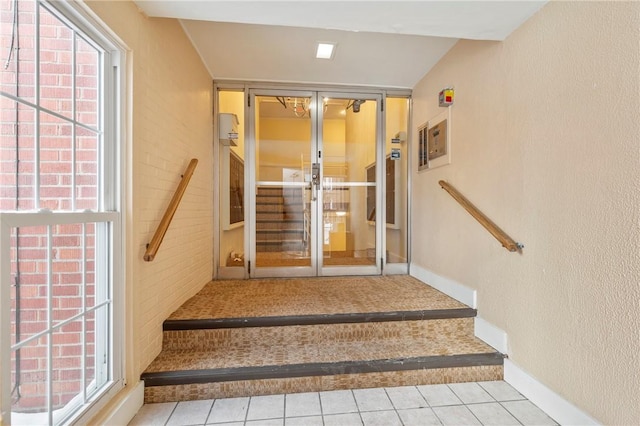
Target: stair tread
[
  {"x": 312, "y": 296},
  {"x": 260, "y": 354},
  {"x": 316, "y": 319}
]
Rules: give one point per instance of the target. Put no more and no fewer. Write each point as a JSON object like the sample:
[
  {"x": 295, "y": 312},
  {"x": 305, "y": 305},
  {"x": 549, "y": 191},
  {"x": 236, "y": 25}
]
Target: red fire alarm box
[{"x": 446, "y": 97}]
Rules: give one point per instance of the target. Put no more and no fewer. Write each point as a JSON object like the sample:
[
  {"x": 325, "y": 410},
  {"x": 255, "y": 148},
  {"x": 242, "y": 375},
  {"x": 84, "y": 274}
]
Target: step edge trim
[
  {"x": 292, "y": 320},
  {"x": 184, "y": 377}
]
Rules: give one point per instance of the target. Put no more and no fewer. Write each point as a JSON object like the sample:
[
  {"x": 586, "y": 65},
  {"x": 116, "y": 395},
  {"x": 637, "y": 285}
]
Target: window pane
[
  {"x": 17, "y": 156},
  {"x": 87, "y": 89},
  {"x": 67, "y": 365},
  {"x": 56, "y": 64},
  {"x": 18, "y": 48},
  {"x": 86, "y": 191},
  {"x": 29, "y": 270},
  {"x": 56, "y": 160},
  {"x": 90, "y": 264},
  {"x": 97, "y": 355},
  {"x": 90, "y": 353},
  {"x": 29, "y": 384},
  {"x": 67, "y": 271}
]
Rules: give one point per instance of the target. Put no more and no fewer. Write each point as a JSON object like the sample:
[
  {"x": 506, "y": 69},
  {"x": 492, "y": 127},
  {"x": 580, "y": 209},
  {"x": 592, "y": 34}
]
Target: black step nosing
[
  {"x": 290, "y": 320},
  {"x": 183, "y": 377}
]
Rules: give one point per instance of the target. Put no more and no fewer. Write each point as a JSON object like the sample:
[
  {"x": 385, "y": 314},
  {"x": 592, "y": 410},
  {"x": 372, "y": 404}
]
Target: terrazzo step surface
[{"x": 258, "y": 337}]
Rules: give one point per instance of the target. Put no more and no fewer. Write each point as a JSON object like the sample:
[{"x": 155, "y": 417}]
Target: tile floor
[{"x": 481, "y": 403}]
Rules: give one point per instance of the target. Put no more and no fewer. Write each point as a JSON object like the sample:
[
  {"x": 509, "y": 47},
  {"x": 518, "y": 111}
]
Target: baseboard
[
  {"x": 446, "y": 285},
  {"x": 128, "y": 407},
  {"x": 558, "y": 408},
  {"x": 491, "y": 335}
]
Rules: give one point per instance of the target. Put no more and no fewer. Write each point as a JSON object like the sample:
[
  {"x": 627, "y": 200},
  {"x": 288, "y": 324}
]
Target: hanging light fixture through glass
[{"x": 299, "y": 106}]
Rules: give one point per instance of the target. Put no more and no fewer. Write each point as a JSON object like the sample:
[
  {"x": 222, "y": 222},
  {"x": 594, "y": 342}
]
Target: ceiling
[{"x": 390, "y": 44}]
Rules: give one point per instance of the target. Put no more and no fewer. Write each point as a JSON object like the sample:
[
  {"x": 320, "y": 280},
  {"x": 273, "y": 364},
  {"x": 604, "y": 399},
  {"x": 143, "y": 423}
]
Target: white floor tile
[
  {"x": 228, "y": 410},
  {"x": 488, "y": 403},
  {"x": 190, "y": 413},
  {"x": 372, "y": 399},
  {"x": 470, "y": 393},
  {"x": 501, "y": 391},
  {"x": 528, "y": 413},
  {"x": 419, "y": 417},
  {"x": 302, "y": 404},
  {"x": 266, "y": 407},
  {"x": 153, "y": 414},
  {"x": 406, "y": 397},
  {"x": 455, "y": 415},
  {"x": 303, "y": 421},
  {"x": 493, "y": 414},
  {"x": 381, "y": 418},
  {"x": 230, "y": 424},
  {"x": 338, "y": 402},
  {"x": 438, "y": 395},
  {"x": 351, "y": 419},
  {"x": 269, "y": 422}
]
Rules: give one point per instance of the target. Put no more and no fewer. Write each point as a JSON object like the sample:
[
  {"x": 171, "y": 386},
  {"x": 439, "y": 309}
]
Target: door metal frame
[
  {"x": 380, "y": 181},
  {"x": 251, "y": 183},
  {"x": 380, "y": 94}
]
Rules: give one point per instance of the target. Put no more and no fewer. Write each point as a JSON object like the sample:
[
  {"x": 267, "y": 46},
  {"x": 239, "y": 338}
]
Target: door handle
[{"x": 315, "y": 180}]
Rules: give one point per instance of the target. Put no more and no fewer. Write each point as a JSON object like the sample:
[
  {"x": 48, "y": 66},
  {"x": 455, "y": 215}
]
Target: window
[{"x": 60, "y": 217}]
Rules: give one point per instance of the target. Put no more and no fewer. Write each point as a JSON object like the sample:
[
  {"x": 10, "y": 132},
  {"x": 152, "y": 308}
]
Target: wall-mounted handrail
[
  {"x": 506, "y": 241},
  {"x": 156, "y": 241}
]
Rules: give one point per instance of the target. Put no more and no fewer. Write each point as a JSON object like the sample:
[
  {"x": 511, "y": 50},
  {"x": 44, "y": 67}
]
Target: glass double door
[{"x": 314, "y": 190}]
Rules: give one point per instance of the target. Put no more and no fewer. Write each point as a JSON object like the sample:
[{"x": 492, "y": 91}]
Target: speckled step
[{"x": 326, "y": 344}]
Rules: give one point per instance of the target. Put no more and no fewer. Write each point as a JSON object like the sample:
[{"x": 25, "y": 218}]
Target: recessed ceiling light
[{"x": 325, "y": 50}]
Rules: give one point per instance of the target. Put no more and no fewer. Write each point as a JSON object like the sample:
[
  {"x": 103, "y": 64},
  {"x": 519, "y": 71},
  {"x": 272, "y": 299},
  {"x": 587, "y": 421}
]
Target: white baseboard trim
[
  {"x": 446, "y": 285},
  {"x": 491, "y": 335},
  {"x": 128, "y": 407},
  {"x": 558, "y": 408}
]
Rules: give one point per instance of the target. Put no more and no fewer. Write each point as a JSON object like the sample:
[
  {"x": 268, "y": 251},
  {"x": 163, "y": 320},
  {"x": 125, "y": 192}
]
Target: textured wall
[
  {"x": 170, "y": 119},
  {"x": 545, "y": 142}
]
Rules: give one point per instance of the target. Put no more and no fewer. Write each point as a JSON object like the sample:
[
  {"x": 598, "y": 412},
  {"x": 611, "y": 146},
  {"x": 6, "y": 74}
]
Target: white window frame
[{"x": 111, "y": 211}]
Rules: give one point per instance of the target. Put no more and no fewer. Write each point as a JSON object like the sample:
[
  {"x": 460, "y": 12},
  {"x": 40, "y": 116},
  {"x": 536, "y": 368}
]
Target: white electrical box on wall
[{"x": 228, "y": 129}]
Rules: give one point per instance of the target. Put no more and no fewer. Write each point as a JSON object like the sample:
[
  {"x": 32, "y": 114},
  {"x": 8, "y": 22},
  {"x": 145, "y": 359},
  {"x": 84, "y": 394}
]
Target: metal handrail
[
  {"x": 156, "y": 241},
  {"x": 504, "y": 239}
]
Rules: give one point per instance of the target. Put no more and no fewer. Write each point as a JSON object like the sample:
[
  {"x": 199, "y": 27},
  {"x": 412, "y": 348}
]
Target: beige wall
[
  {"x": 170, "y": 122},
  {"x": 545, "y": 141}
]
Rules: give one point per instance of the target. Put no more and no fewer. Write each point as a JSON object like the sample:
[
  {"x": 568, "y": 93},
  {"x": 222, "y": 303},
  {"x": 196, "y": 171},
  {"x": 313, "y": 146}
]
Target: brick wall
[{"x": 68, "y": 171}]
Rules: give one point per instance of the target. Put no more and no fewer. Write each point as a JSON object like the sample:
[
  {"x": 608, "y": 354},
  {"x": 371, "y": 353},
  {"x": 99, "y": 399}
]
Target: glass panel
[
  {"x": 97, "y": 373},
  {"x": 283, "y": 155},
  {"x": 67, "y": 271},
  {"x": 56, "y": 160},
  {"x": 90, "y": 264},
  {"x": 232, "y": 172},
  {"x": 397, "y": 119},
  {"x": 349, "y": 182},
  {"x": 67, "y": 368},
  {"x": 29, "y": 386},
  {"x": 17, "y": 156},
  {"x": 56, "y": 64},
  {"x": 90, "y": 353},
  {"x": 87, "y": 89},
  {"x": 86, "y": 170},
  {"x": 18, "y": 48},
  {"x": 29, "y": 270}
]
